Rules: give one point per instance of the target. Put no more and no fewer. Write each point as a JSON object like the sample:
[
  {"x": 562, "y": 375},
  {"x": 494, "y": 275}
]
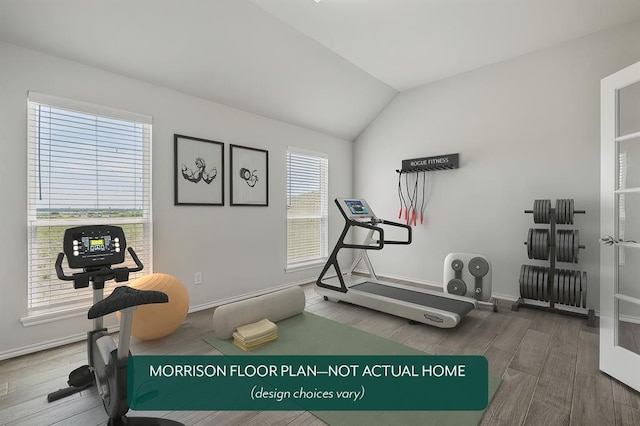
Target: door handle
[{"x": 609, "y": 241}]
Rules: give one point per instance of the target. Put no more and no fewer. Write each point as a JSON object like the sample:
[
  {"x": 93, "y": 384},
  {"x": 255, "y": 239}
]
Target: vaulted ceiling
[{"x": 330, "y": 66}]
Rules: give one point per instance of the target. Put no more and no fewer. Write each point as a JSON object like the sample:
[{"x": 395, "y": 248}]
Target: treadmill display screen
[{"x": 356, "y": 207}]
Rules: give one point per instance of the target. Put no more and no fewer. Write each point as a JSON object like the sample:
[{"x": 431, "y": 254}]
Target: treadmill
[{"x": 414, "y": 303}]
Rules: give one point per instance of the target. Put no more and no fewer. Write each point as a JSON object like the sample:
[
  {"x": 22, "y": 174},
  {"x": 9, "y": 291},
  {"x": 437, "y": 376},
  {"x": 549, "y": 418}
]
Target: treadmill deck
[{"x": 459, "y": 307}]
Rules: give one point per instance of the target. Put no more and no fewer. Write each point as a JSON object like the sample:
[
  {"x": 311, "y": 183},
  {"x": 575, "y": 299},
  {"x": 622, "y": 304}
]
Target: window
[
  {"x": 86, "y": 165},
  {"x": 307, "y": 210}
]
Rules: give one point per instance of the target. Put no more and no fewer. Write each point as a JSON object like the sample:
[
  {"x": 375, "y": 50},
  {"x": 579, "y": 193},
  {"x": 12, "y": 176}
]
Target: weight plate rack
[{"x": 547, "y": 287}]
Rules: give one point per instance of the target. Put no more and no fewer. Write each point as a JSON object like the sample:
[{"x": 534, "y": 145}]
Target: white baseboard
[
  {"x": 216, "y": 303},
  {"x": 24, "y": 350},
  {"x": 54, "y": 343}
]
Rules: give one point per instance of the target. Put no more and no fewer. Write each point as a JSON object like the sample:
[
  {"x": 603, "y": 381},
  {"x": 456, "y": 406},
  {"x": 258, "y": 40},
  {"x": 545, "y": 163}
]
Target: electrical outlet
[{"x": 197, "y": 278}]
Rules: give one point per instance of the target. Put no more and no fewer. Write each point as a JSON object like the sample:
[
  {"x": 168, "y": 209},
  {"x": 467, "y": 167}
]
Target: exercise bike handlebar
[
  {"x": 134, "y": 256},
  {"x": 104, "y": 272}
]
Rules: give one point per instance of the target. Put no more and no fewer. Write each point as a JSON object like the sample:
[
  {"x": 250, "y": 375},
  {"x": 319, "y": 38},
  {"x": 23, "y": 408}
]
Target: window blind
[
  {"x": 307, "y": 207},
  {"x": 86, "y": 165}
]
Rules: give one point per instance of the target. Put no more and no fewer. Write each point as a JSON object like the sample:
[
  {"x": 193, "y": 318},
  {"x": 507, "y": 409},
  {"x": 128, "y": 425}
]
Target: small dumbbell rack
[{"x": 562, "y": 291}]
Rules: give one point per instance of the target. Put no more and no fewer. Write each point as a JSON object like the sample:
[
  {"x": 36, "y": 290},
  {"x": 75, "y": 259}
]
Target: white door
[{"x": 620, "y": 226}]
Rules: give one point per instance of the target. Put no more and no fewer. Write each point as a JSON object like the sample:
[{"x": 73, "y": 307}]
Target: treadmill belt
[{"x": 459, "y": 307}]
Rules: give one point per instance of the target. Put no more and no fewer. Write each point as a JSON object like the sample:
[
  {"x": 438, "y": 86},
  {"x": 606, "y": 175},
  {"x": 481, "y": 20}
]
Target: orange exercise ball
[{"x": 159, "y": 319}]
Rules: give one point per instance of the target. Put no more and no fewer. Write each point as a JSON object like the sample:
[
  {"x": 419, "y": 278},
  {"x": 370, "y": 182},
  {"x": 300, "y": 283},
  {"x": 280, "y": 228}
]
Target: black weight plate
[
  {"x": 557, "y": 212},
  {"x": 457, "y": 286},
  {"x": 546, "y": 244},
  {"x": 541, "y": 211},
  {"x": 562, "y": 287},
  {"x": 545, "y": 289},
  {"x": 571, "y": 211},
  {"x": 540, "y": 244},
  {"x": 555, "y": 287},
  {"x": 572, "y": 288},
  {"x": 566, "y": 211},
  {"x": 561, "y": 212},
  {"x": 540, "y": 284},
  {"x": 478, "y": 267},
  {"x": 578, "y": 289},
  {"x": 577, "y": 281},
  {"x": 560, "y": 256},
  {"x": 566, "y": 287},
  {"x": 558, "y": 290},
  {"x": 558, "y": 245},
  {"x": 547, "y": 209},
  {"x": 529, "y": 282},
  {"x": 584, "y": 289},
  {"x": 565, "y": 245},
  {"x": 521, "y": 281},
  {"x": 532, "y": 284},
  {"x": 535, "y": 211},
  {"x": 536, "y": 284},
  {"x": 525, "y": 289},
  {"x": 576, "y": 245},
  {"x": 530, "y": 243},
  {"x": 570, "y": 246},
  {"x": 536, "y": 244}
]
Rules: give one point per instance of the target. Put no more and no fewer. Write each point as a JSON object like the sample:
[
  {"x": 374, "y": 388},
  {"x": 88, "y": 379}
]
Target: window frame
[
  {"x": 77, "y": 306},
  {"x": 323, "y": 216}
]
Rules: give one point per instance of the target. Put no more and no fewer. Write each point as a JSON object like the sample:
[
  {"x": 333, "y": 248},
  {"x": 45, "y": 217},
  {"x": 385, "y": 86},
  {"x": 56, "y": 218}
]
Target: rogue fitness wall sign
[{"x": 439, "y": 162}]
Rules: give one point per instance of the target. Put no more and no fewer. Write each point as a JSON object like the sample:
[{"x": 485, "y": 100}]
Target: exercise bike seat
[{"x": 125, "y": 297}]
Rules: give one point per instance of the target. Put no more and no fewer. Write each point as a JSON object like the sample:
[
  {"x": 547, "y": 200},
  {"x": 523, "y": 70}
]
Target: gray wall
[
  {"x": 239, "y": 250},
  {"x": 526, "y": 128}
]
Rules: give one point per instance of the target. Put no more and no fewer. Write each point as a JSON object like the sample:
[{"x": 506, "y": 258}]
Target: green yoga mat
[{"x": 309, "y": 334}]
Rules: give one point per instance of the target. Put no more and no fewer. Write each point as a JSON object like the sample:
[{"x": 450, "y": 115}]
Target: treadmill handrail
[
  {"x": 340, "y": 244},
  {"x": 379, "y": 243},
  {"x": 399, "y": 225}
]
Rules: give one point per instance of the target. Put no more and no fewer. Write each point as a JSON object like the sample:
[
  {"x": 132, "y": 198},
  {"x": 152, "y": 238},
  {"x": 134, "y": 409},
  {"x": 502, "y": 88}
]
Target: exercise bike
[{"x": 96, "y": 249}]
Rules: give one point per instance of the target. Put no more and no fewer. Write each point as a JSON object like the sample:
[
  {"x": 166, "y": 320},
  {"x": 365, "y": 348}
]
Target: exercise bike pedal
[{"x": 81, "y": 376}]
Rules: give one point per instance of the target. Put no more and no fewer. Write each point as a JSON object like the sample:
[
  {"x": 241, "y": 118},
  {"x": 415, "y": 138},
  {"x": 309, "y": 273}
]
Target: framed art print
[
  {"x": 198, "y": 171},
  {"x": 249, "y": 174}
]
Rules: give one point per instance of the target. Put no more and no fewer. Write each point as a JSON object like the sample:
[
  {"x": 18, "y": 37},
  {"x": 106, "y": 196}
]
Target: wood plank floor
[{"x": 548, "y": 362}]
